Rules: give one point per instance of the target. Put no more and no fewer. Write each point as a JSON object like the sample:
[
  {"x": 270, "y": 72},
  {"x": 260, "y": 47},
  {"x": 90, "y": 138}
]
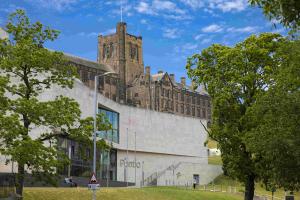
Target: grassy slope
[
  {"x": 259, "y": 189},
  {"x": 159, "y": 193},
  {"x": 215, "y": 160}
]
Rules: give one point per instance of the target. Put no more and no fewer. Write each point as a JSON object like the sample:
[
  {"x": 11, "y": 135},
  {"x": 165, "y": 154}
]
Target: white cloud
[
  {"x": 206, "y": 40},
  {"x": 171, "y": 33},
  {"x": 228, "y": 6},
  {"x": 213, "y": 28},
  {"x": 247, "y": 29},
  {"x": 224, "y": 5},
  {"x": 199, "y": 36},
  {"x": 194, "y": 4},
  {"x": 164, "y": 8},
  {"x": 143, "y": 21},
  {"x": 167, "y": 6},
  {"x": 59, "y": 5},
  {"x": 144, "y": 8},
  {"x": 11, "y": 8},
  {"x": 91, "y": 34},
  {"x": 189, "y": 46}
]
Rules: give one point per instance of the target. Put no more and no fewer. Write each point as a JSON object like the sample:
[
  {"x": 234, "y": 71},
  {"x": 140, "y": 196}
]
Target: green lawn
[
  {"x": 215, "y": 160},
  {"x": 157, "y": 193},
  {"x": 259, "y": 189}
]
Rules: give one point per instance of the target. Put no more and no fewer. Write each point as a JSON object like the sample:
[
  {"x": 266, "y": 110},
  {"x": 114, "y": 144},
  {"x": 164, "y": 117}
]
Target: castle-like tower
[
  {"x": 123, "y": 52},
  {"x": 135, "y": 86}
]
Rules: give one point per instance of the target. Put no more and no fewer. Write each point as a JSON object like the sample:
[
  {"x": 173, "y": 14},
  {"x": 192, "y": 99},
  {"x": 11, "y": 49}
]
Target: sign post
[{"x": 94, "y": 185}]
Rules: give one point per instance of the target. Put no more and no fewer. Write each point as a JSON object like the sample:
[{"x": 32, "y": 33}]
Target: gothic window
[
  {"x": 162, "y": 92},
  {"x": 134, "y": 52},
  {"x": 193, "y": 111},
  {"x": 198, "y": 112},
  {"x": 198, "y": 100},
  {"x": 103, "y": 51},
  {"x": 176, "y": 107},
  {"x": 188, "y": 110},
  {"x": 182, "y": 108},
  {"x": 182, "y": 96},
  {"x": 203, "y": 113},
  {"x": 114, "y": 82},
  {"x": 193, "y": 100},
  {"x": 107, "y": 80},
  {"x": 111, "y": 49}
]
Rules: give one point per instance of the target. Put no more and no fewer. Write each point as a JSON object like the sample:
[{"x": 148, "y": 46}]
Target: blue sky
[{"x": 171, "y": 30}]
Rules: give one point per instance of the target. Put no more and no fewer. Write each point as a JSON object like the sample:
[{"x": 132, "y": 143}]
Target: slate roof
[
  {"x": 159, "y": 76},
  {"x": 88, "y": 63}
]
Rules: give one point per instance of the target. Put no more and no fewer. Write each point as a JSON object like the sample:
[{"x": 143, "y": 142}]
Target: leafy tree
[
  {"x": 275, "y": 118},
  {"x": 29, "y": 126},
  {"x": 285, "y": 11},
  {"x": 234, "y": 77}
]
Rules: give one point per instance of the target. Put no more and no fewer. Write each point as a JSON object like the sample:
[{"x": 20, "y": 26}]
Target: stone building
[{"x": 135, "y": 85}]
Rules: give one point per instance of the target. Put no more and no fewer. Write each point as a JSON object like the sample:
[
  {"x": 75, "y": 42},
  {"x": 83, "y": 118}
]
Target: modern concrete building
[{"x": 149, "y": 146}]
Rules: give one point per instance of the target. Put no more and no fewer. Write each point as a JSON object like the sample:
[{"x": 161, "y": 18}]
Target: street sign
[{"x": 93, "y": 185}]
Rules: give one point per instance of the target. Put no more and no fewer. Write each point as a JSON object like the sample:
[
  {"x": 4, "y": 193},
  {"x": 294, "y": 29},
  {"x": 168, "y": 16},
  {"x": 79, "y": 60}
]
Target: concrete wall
[{"x": 160, "y": 139}]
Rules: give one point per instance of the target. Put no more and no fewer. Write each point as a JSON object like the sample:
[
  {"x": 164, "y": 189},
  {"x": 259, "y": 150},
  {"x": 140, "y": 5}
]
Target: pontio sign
[{"x": 133, "y": 164}]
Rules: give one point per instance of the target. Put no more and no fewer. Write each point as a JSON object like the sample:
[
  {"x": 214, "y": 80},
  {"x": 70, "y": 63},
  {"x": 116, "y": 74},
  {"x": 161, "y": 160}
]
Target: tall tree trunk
[
  {"x": 249, "y": 188},
  {"x": 20, "y": 180}
]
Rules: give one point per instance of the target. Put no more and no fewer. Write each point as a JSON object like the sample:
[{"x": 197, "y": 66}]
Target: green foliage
[
  {"x": 285, "y": 11},
  {"x": 235, "y": 77},
  {"x": 275, "y": 118},
  {"x": 29, "y": 126}
]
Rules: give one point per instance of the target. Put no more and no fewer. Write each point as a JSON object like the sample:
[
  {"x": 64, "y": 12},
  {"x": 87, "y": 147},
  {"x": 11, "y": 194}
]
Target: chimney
[
  {"x": 160, "y": 72},
  {"x": 147, "y": 73},
  {"x": 194, "y": 85},
  {"x": 182, "y": 81},
  {"x": 172, "y": 76},
  {"x": 147, "y": 70}
]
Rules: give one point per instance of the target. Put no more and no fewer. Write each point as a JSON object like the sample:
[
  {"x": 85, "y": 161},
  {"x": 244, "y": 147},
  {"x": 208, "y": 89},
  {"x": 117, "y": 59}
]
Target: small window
[
  {"x": 88, "y": 152},
  {"x": 73, "y": 150},
  {"x": 136, "y": 94}
]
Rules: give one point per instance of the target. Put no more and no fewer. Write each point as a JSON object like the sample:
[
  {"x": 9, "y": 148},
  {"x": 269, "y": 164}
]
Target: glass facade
[{"x": 113, "y": 118}]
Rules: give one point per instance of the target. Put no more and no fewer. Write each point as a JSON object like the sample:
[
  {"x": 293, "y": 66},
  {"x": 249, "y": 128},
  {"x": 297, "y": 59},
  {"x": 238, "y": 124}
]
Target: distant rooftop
[
  {"x": 88, "y": 63},
  {"x": 3, "y": 34}
]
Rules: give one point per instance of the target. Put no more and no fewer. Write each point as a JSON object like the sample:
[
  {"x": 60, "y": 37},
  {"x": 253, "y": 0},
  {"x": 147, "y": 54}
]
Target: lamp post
[{"x": 95, "y": 123}]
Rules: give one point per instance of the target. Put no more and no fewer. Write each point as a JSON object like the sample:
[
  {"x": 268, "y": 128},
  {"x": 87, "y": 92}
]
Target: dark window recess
[
  {"x": 114, "y": 97},
  {"x": 73, "y": 150},
  {"x": 188, "y": 110},
  {"x": 114, "y": 82},
  {"x": 193, "y": 111},
  {"x": 182, "y": 109},
  {"x": 198, "y": 112},
  {"x": 136, "y": 94},
  {"x": 142, "y": 82},
  {"x": 203, "y": 113},
  {"x": 88, "y": 152},
  {"x": 107, "y": 80}
]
